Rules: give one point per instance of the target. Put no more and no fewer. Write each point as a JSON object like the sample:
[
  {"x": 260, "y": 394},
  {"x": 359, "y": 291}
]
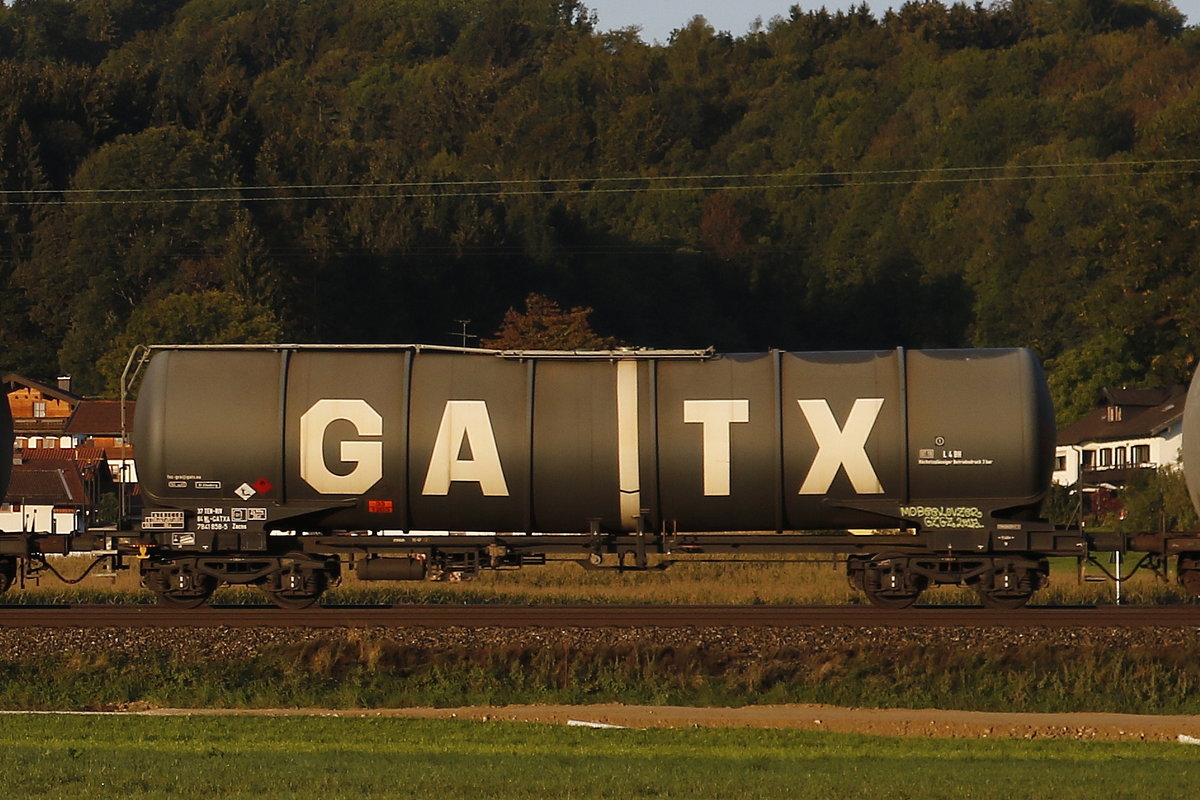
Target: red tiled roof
[
  {"x": 47, "y": 483},
  {"x": 80, "y": 454},
  {"x": 117, "y": 452},
  {"x": 1134, "y": 397},
  {"x": 12, "y": 380},
  {"x": 100, "y": 417}
]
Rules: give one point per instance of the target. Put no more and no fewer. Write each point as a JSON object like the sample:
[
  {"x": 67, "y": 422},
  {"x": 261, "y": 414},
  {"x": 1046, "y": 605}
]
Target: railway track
[{"x": 484, "y": 616}]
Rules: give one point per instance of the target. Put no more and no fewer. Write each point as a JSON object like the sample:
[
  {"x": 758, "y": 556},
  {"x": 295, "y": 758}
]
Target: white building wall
[
  {"x": 39, "y": 519},
  {"x": 123, "y": 470},
  {"x": 1066, "y": 465},
  {"x": 1163, "y": 451},
  {"x": 1170, "y": 445}
]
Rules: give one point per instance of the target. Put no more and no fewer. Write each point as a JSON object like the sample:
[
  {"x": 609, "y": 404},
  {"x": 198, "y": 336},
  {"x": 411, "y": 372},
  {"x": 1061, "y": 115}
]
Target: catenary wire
[{"x": 824, "y": 179}]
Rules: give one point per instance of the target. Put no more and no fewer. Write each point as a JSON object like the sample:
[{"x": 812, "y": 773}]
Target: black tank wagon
[
  {"x": 279, "y": 466},
  {"x": 608, "y": 454},
  {"x": 421, "y": 439}
]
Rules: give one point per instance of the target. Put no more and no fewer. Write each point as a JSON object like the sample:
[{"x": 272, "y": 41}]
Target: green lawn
[{"x": 80, "y": 757}]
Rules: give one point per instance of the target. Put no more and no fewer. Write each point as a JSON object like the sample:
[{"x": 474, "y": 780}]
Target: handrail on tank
[
  {"x": 141, "y": 353},
  {"x": 615, "y": 353},
  {"x": 610, "y": 354}
]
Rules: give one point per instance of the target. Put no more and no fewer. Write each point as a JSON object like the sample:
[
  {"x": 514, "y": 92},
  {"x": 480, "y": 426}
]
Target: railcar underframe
[{"x": 1005, "y": 567}]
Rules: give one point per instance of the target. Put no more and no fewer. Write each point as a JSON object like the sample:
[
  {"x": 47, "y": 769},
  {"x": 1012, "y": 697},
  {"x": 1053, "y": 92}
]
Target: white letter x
[{"x": 841, "y": 447}]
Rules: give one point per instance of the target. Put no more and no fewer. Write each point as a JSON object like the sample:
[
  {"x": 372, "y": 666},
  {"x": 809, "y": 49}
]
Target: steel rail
[{"x": 572, "y": 616}]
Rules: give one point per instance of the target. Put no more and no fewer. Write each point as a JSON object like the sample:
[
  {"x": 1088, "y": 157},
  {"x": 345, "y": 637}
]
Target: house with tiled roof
[
  {"x": 51, "y": 417},
  {"x": 99, "y": 424},
  {"x": 92, "y": 463},
  {"x": 1130, "y": 429},
  {"x": 46, "y": 495},
  {"x": 100, "y": 419},
  {"x": 40, "y": 411},
  {"x": 68, "y": 453}
]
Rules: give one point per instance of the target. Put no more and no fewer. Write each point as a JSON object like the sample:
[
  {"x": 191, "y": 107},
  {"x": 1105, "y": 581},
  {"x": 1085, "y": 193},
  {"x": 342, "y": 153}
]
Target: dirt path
[{"x": 883, "y": 722}]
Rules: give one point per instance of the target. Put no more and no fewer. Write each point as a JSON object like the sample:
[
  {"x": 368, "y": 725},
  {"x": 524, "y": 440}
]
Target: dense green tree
[
  {"x": 1022, "y": 173},
  {"x": 140, "y": 222},
  {"x": 1157, "y": 500},
  {"x": 205, "y": 317}
]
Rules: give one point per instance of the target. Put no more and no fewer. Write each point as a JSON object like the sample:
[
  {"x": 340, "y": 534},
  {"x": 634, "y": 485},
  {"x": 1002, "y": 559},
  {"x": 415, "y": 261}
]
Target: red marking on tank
[
  {"x": 379, "y": 506},
  {"x": 262, "y": 486}
]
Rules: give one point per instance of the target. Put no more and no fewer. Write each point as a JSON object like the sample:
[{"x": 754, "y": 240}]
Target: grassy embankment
[
  {"x": 57, "y": 757},
  {"x": 348, "y": 669},
  {"x": 355, "y": 669}
]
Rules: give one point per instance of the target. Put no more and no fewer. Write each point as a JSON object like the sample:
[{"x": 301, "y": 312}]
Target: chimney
[{"x": 64, "y": 382}]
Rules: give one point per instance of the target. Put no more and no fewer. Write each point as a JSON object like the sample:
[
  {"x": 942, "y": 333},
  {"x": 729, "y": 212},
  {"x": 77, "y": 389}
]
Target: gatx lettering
[
  {"x": 367, "y": 456},
  {"x": 465, "y": 447},
  {"x": 841, "y": 447},
  {"x": 466, "y": 427},
  {"x": 715, "y": 418}
]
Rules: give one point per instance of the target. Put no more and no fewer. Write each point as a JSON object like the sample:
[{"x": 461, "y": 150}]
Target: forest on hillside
[{"x": 1020, "y": 173}]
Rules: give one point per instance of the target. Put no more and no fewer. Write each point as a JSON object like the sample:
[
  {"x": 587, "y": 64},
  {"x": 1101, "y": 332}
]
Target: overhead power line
[{"x": 605, "y": 185}]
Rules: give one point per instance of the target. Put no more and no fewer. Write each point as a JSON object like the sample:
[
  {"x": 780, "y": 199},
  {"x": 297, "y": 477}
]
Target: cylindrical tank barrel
[
  {"x": 414, "y": 438},
  {"x": 1190, "y": 446}
]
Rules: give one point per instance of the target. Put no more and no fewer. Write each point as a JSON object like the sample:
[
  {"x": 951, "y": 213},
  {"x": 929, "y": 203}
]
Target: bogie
[
  {"x": 295, "y": 580},
  {"x": 299, "y": 582},
  {"x": 178, "y": 583},
  {"x": 896, "y": 580}
]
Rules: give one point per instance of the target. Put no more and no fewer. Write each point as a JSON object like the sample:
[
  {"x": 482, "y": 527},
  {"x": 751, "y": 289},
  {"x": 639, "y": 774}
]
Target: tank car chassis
[{"x": 1004, "y": 568}]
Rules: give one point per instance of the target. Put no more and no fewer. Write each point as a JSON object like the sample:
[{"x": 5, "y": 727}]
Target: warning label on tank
[
  {"x": 162, "y": 520},
  {"x": 949, "y": 458},
  {"x": 945, "y": 516}
]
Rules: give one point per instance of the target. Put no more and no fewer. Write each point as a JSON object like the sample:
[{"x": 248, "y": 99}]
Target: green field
[{"x": 310, "y": 757}]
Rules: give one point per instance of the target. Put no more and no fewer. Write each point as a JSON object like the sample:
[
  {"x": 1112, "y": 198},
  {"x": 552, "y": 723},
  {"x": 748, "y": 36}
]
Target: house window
[
  {"x": 1139, "y": 454},
  {"x": 1105, "y": 456},
  {"x": 1088, "y": 457},
  {"x": 1114, "y": 413},
  {"x": 1119, "y": 456},
  {"x": 39, "y": 408},
  {"x": 1060, "y": 463}
]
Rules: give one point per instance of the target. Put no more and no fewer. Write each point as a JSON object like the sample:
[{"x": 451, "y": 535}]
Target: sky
[{"x": 657, "y": 18}]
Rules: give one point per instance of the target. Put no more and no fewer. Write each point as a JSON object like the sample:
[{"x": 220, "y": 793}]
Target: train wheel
[
  {"x": 1190, "y": 580},
  {"x": 297, "y": 586},
  {"x": 891, "y": 599},
  {"x": 178, "y": 584},
  {"x": 287, "y": 599},
  {"x": 183, "y": 599},
  {"x": 8, "y": 573},
  {"x": 1189, "y": 573},
  {"x": 1008, "y": 586},
  {"x": 888, "y": 582},
  {"x": 1003, "y": 600}
]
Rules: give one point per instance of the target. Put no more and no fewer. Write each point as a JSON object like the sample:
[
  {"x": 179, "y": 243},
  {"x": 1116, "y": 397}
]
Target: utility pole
[{"x": 463, "y": 323}]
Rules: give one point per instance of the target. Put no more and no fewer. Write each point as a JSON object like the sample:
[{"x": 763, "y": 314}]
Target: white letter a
[{"x": 465, "y": 420}]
